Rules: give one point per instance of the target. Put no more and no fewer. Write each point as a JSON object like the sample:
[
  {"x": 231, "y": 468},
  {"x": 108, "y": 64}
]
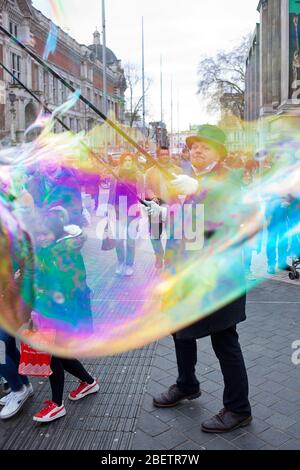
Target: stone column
[
  {"x": 285, "y": 47},
  {"x": 3, "y": 96},
  {"x": 247, "y": 91},
  {"x": 264, "y": 55},
  {"x": 268, "y": 52},
  {"x": 276, "y": 52},
  {"x": 253, "y": 79},
  {"x": 257, "y": 72},
  {"x": 20, "y": 128}
]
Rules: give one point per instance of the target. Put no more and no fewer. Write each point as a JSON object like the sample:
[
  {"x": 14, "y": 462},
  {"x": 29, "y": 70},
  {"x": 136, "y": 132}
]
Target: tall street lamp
[
  {"x": 12, "y": 99},
  {"x": 104, "y": 65}
]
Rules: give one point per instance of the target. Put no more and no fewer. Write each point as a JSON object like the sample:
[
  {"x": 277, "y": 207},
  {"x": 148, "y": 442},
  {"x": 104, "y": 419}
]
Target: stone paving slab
[
  {"x": 122, "y": 416},
  {"x": 103, "y": 421},
  {"x": 266, "y": 337},
  {"x": 106, "y": 420}
]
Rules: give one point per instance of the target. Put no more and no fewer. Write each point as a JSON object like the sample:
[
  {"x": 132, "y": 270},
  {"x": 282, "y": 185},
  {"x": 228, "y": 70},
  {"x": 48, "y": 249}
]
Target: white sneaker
[
  {"x": 119, "y": 269},
  {"x": 5, "y": 400},
  {"x": 128, "y": 271},
  {"x": 15, "y": 403}
]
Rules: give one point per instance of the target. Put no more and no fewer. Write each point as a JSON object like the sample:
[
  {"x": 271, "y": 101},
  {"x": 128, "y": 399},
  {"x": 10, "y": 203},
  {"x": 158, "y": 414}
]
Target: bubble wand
[
  {"x": 82, "y": 98},
  {"x": 97, "y": 157}
]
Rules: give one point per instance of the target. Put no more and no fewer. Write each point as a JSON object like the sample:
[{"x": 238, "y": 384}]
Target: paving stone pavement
[
  {"x": 122, "y": 416},
  {"x": 273, "y": 311},
  {"x": 107, "y": 420}
]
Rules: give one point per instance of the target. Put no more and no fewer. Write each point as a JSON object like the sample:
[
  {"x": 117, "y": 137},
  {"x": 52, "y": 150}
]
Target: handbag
[
  {"x": 34, "y": 361},
  {"x": 109, "y": 241}
]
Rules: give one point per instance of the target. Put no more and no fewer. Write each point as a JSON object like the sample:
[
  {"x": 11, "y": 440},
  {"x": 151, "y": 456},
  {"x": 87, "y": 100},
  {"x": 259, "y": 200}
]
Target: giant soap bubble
[{"x": 54, "y": 265}]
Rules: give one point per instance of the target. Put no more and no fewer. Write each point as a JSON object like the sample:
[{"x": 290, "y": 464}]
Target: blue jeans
[
  {"x": 173, "y": 246},
  {"x": 126, "y": 248},
  {"x": 9, "y": 370},
  {"x": 248, "y": 258},
  {"x": 277, "y": 241}
]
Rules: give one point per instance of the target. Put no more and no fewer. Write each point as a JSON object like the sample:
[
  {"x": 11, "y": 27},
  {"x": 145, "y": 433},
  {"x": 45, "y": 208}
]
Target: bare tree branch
[
  {"x": 133, "y": 77},
  {"x": 224, "y": 75}
]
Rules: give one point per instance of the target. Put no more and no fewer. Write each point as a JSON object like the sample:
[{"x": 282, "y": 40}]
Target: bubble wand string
[
  {"x": 43, "y": 104},
  {"x": 82, "y": 98}
]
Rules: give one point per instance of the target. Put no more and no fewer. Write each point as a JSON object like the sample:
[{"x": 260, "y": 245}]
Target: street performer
[{"x": 208, "y": 152}]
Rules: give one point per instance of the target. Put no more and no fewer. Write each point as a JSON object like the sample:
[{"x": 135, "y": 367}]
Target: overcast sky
[{"x": 180, "y": 30}]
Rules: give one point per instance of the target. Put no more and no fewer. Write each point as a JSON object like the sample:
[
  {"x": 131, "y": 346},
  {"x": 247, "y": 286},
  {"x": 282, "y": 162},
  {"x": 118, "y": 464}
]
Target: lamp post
[
  {"x": 104, "y": 65},
  {"x": 12, "y": 99}
]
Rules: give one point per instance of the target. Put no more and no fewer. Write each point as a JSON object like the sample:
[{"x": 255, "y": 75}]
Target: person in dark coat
[{"x": 207, "y": 154}]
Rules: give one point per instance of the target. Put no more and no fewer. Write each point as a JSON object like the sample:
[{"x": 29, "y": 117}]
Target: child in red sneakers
[
  {"x": 58, "y": 263},
  {"x": 55, "y": 408}
]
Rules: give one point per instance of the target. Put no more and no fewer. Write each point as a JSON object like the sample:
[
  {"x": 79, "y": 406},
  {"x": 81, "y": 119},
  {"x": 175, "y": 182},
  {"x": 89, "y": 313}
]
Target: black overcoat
[{"x": 234, "y": 312}]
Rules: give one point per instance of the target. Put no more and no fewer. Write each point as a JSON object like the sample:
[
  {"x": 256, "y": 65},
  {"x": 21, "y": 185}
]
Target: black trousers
[
  {"x": 228, "y": 350},
  {"x": 57, "y": 379}
]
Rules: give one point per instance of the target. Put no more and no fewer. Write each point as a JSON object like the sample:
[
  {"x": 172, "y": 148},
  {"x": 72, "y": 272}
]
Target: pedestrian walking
[{"x": 124, "y": 195}]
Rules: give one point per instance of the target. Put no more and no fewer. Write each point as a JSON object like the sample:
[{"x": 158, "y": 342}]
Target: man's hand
[
  {"x": 185, "y": 185},
  {"x": 155, "y": 210}
]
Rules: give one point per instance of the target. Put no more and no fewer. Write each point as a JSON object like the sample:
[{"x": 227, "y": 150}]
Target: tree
[
  {"x": 222, "y": 79},
  {"x": 135, "y": 94}
]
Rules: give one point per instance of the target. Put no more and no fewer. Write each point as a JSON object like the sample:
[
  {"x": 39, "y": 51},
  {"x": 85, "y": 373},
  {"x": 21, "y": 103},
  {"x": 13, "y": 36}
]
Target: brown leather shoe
[
  {"x": 225, "y": 421},
  {"x": 172, "y": 397}
]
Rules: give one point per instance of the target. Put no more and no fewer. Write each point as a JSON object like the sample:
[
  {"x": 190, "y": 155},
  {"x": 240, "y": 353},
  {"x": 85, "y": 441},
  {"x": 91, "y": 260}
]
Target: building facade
[
  {"x": 178, "y": 139},
  {"x": 80, "y": 65},
  {"x": 273, "y": 70}
]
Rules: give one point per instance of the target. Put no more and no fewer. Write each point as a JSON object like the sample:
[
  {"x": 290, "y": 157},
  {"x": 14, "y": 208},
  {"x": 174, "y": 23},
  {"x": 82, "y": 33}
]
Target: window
[
  {"x": 36, "y": 77},
  {"x": 77, "y": 105},
  {"x": 63, "y": 93},
  {"x": 13, "y": 29},
  {"x": 46, "y": 84},
  {"x": 78, "y": 125},
  {"x": 16, "y": 65},
  {"x": 55, "y": 90},
  {"x": 71, "y": 124}
]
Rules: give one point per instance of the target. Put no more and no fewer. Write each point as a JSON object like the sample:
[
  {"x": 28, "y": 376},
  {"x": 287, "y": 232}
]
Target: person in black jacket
[{"x": 207, "y": 154}]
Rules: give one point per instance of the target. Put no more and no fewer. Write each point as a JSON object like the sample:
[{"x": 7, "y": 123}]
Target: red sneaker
[
  {"x": 50, "y": 412},
  {"x": 84, "y": 389}
]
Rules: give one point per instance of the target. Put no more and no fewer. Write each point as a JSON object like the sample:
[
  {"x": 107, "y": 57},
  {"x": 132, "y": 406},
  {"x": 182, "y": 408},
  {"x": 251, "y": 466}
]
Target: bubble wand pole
[
  {"x": 82, "y": 98},
  {"x": 99, "y": 159}
]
